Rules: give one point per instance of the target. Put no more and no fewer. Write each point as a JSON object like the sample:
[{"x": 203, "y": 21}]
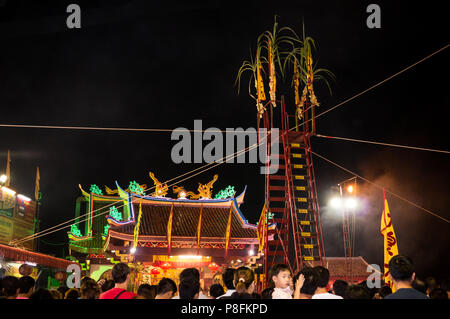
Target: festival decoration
[
  {"x": 225, "y": 193},
  {"x": 213, "y": 267},
  {"x": 155, "y": 271},
  {"x": 114, "y": 213},
  {"x": 60, "y": 276},
  {"x": 25, "y": 270},
  {"x": 160, "y": 188},
  {"x": 136, "y": 228},
  {"x": 180, "y": 191},
  {"x": 204, "y": 190},
  {"x": 134, "y": 187},
  {"x": 75, "y": 230},
  {"x": 390, "y": 241},
  {"x": 105, "y": 230},
  {"x": 95, "y": 190},
  {"x": 166, "y": 266}
]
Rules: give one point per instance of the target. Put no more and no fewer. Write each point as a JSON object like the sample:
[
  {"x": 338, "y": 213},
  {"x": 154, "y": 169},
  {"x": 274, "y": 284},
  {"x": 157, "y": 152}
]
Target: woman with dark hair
[{"x": 244, "y": 281}]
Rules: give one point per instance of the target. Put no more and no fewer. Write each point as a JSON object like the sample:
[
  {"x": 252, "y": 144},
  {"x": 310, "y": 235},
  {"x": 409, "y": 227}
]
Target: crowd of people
[{"x": 240, "y": 283}]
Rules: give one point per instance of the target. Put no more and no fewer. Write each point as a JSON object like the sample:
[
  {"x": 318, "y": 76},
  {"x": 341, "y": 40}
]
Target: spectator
[
  {"x": 166, "y": 289},
  {"x": 322, "y": 283},
  {"x": 280, "y": 278},
  {"x": 228, "y": 280},
  {"x": 382, "y": 292},
  {"x": 267, "y": 293},
  {"x": 306, "y": 283},
  {"x": 446, "y": 286},
  {"x": 401, "y": 273},
  {"x": 90, "y": 290},
  {"x": 339, "y": 287},
  {"x": 109, "y": 284},
  {"x": 431, "y": 284},
  {"x": 145, "y": 291},
  {"x": 438, "y": 293},
  {"x": 419, "y": 285},
  {"x": 62, "y": 290},
  {"x": 121, "y": 277},
  {"x": 10, "y": 287},
  {"x": 72, "y": 293},
  {"x": 244, "y": 281},
  {"x": 26, "y": 287},
  {"x": 255, "y": 295},
  {"x": 357, "y": 292},
  {"x": 189, "y": 289},
  {"x": 41, "y": 294},
  {"x": 191, "y": 274},
  {"x": 55, "y": 294},
  {"x": 215, "y": 291}
]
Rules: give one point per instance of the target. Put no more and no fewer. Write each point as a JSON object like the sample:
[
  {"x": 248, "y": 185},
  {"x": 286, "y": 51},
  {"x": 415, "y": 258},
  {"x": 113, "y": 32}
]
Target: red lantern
[
  {"x": 25, "y": 270},
  {"x": 60, "y": 276},
  {"x": 155, "y": 271},
  {"x": 213, "y": 267},
  {"x": 166, "y": 266}
]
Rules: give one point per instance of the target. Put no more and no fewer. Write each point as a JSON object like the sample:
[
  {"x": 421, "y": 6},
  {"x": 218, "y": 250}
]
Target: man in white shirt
[
  {"x": 228, "y": 280},
  {"x": 321, "y": 291}
]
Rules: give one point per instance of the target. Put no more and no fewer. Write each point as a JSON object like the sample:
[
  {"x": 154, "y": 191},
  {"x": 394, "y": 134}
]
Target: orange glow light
[{"x": 350, "y": 189}]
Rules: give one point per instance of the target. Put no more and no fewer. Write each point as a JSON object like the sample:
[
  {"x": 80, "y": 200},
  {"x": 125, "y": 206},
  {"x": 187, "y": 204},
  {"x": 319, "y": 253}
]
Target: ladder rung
[
  {"x": 277, "y": 188},
  {"x": 277, "y": 199},
  {"x": 302, "y": 199},
  {"x": 299, "y": 177},
  {"x": 278, "y": 177},
  {"x": 296, "y": 145},
  {"x": 298, "y": 166},
  {"x": 307, "y": 234},
  {"x": 276, "y": 209},
  {"x": 311, "y": 258},
  {"x": 309, "y": 246},
  {"x": 299, "y": 188},
  {"x": 296, "y": 155},
  {"x": 306, "y": 222},
  {"x": 303, "y": 211}
]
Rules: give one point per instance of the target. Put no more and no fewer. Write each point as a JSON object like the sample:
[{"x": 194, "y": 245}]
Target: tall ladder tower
[{"x": 290, "y": 195}]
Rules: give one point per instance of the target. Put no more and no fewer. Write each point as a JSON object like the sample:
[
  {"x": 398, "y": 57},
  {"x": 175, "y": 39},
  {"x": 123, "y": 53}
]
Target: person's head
[
  {"x": 438, "y": 293},
  {"x": 72, "y": 293},
  {"x": 419, "y": 285},
  {"x": 244, "y": 280},
  {"x": 90, "y": 290},
  {"x": 166, "y": 289},
  {"x": 431, "y": 284},
  {"x": 324, "y": 276},
  {"x": 280, "y": 276},
  {"x": 41, "y": 294},
  {"x": 311, "y": 280},
  {"x": 189, "y": 289},
  {"x": 383, "y": 292},
  {"x": 401, "y": 269},
  {"x": 62, "y": 290},
  {"x": 339, "y": 287},
  {"x": 190, "y": 274},
  {"x": 121, "y": 273},
  {"x": 446, "y": 286},
  {"x": 10, "y": 286},
  {"x": 146, "y": 291},
  {"x": 228, "y": 278},
  {"x": 55, "y": 294},
  {"x": 86, "y": 279},
  {"x": 267, "y": 293},
  {"x": 109, "y": 284},
  {"x": 356, "y": 292},
  {"x": 216, "y": 290},
  {"x": 26, "y": 285}
]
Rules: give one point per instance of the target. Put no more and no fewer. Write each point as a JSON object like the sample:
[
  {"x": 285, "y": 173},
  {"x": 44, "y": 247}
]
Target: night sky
[{"x": 163, "y": 64}]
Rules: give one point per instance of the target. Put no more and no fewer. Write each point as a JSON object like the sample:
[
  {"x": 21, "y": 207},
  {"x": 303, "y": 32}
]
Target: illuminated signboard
[{"x": 7, "y": 202}]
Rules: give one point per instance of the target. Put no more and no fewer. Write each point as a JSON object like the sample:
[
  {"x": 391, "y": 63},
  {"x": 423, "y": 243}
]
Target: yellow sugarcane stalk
[
  {"x": 260, "y": 94},
  {"x": 272, "y": 76},
  {"x": 296, "y": 86}
]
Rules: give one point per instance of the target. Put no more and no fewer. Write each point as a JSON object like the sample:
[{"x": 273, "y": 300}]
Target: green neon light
[
  {"x": 95, "y": 190},
  {"x": 75, "y": 230},
  {"x": 226, "y": 193},
  {"x": 135, "y": 188},
  {"x": 105, "y": 230},
  {"x": 114, "y": 213}
]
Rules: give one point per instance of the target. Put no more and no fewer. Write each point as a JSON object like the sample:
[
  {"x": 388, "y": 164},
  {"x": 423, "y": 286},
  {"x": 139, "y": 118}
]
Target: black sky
[{"x": 163, "y": 64}]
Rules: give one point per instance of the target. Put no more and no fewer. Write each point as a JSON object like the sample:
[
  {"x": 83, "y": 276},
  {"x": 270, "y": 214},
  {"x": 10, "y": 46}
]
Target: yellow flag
[
  {"x": 390, "y": 241},
  {"x": 36, "y": 187},
  {"x": 261, "y": 229},
  {"x": 8, "y": 170}
]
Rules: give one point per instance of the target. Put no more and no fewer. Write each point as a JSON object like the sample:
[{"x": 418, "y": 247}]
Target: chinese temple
[{"x": 159, "y": 236}]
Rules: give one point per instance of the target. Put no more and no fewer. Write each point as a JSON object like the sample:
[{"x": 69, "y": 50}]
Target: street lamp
[{"x": 3, "y": 179}]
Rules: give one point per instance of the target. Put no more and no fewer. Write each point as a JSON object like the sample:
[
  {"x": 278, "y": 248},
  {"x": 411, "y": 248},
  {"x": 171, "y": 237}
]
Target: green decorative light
[
  {"x": 95, "y": 190},
  {"x": 225, "y": 193},
  {"x": 270, "y": 216},
  {"x": 114, "y": 213},
  {"x": 105, "y": 230},
  {"x": 136, "y": 188},
  {"x": 75, "y": 230}
]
